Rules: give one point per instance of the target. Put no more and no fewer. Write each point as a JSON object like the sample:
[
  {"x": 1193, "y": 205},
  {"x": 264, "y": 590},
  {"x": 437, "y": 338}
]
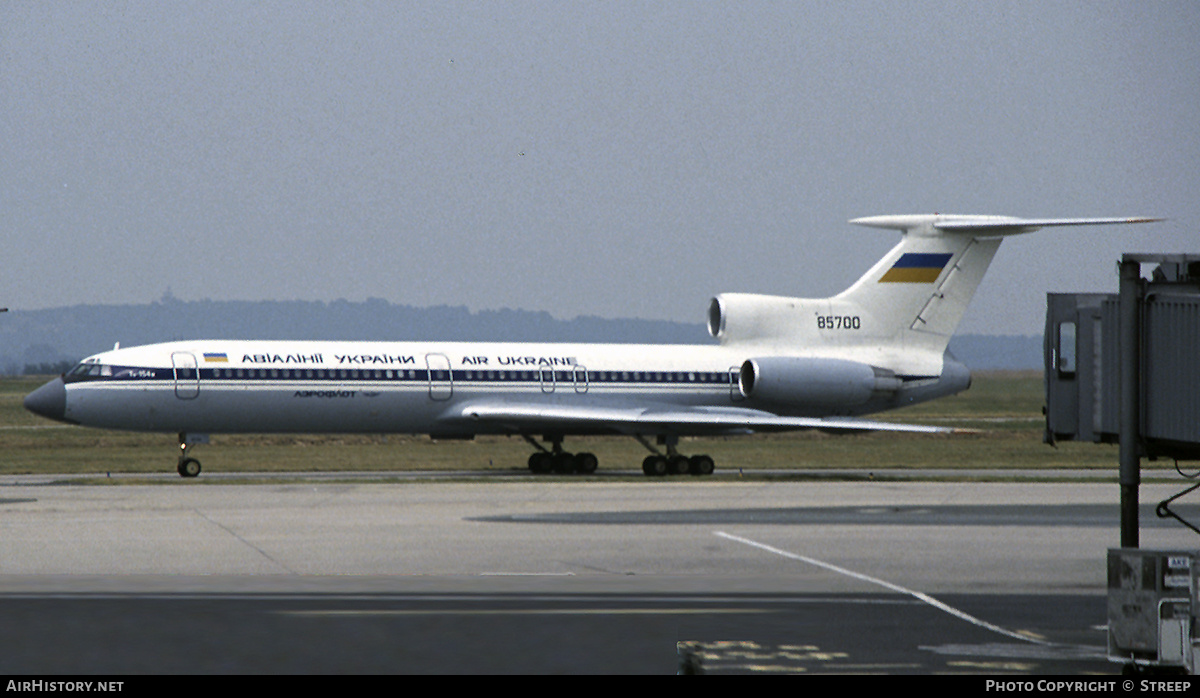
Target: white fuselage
[{"x": 409, "y": 387}]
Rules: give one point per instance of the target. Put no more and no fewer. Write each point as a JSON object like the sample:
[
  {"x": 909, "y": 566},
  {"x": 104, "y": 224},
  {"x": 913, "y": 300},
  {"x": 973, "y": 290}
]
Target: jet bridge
[{"x": 1087, "y": 348}]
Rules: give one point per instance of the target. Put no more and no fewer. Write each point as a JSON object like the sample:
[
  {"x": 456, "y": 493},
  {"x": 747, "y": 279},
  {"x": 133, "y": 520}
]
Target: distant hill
[
  {"x": 998, "y": 353},
  {"x": 43, "y": 341}
]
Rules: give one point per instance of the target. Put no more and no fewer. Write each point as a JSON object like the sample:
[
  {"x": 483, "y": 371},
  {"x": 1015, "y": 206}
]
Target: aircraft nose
[{"x": 49, "y": 401}]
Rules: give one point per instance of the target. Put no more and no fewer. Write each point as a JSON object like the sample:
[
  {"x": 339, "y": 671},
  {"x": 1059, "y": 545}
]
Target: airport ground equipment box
[{"x": 1152, "y": 609}]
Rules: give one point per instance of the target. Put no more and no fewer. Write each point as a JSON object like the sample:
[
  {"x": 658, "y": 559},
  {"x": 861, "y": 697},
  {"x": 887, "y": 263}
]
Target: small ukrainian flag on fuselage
[
  {"x": 215, "y": 357},
  {"x": 917, "y": 268}
]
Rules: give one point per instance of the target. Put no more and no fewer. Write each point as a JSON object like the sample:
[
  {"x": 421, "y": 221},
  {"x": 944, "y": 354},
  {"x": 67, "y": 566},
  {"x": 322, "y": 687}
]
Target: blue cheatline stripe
[
  {"x": 121, "y": 374},
  {"x": 118, "y": 374}
]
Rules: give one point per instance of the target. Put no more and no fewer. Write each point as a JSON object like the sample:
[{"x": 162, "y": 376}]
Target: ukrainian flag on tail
[{"x": 917, "y": 268}]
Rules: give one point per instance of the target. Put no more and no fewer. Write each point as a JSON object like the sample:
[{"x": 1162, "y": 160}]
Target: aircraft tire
[
  {"x": 540, "y": 462},
  {"x": 654, "y": 466},
  {"x": 188, "y": 467},
  {"x": 563, "y": 463},
  {"x": 586, "y": 463},
  {"x": 701, "y": 465},
  {"x": 678, "y": 465}
]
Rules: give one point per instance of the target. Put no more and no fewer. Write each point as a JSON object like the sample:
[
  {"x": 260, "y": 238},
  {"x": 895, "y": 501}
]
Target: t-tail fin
[
  {"x": 924, "y": 284},
  {"x": 903, "y": 311}
]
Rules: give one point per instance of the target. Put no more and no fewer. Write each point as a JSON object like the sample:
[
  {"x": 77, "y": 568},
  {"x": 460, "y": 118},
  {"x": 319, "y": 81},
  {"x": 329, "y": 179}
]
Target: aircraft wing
[{"x": 641, "y": 418}]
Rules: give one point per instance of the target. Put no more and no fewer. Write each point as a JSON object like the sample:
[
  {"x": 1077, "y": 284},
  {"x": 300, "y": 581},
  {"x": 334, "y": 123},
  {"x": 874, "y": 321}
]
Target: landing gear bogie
[
  {"x": 556, "y": 460},
  {"x": 673, "y": 462},
  {"x": 660, "y": 466},
  {"x": 563, "y": 463}
]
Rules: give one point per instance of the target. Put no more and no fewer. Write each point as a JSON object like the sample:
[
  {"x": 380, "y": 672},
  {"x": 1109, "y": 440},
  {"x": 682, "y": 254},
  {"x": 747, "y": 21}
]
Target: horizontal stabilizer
[{"x": 984, "y": 225}]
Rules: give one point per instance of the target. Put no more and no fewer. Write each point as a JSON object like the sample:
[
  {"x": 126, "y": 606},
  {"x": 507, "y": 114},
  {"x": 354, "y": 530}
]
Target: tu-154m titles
[{"x": 781, "y": 364}]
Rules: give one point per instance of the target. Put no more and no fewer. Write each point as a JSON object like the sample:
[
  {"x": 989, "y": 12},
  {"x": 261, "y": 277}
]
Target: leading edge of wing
[{"x": 632, "y": 419}]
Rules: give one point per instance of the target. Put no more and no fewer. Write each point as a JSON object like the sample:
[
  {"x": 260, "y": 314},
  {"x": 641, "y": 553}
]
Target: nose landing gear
[{"x": 188, "y": 466}]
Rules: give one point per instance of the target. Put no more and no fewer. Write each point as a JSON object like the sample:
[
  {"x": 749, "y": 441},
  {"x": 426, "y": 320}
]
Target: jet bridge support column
[{"x": 1129, "y": 474}]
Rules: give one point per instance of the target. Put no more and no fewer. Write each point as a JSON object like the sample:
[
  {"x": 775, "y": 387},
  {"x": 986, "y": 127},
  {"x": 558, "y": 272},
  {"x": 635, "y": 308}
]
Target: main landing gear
[
  {"x": 673, "y": 462},
  {"x": 188, "y": 466},
  {"x": 556, "y": 460}
]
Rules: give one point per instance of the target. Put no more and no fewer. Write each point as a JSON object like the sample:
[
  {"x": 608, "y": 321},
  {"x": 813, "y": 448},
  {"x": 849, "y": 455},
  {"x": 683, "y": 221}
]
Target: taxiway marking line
[
  {"x": 527, "y": 612},
  {"x": 926, "y": 598}
]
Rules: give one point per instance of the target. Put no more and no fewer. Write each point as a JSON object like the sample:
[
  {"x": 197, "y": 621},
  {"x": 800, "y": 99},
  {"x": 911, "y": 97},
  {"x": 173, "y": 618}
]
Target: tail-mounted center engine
[
  {"x": 817, "y": 382},
  {"x": 746, "y": 316}
]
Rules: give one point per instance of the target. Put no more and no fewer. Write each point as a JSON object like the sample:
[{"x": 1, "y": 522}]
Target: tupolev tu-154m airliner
[{"x": 780, "y": 364}]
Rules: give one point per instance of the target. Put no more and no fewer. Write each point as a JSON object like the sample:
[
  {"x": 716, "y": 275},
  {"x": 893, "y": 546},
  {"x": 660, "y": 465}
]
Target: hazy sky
[{"x": 617, "y": 159}]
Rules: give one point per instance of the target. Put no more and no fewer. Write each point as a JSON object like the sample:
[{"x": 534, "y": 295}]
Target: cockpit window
[{"x": 84, "y": 371}]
